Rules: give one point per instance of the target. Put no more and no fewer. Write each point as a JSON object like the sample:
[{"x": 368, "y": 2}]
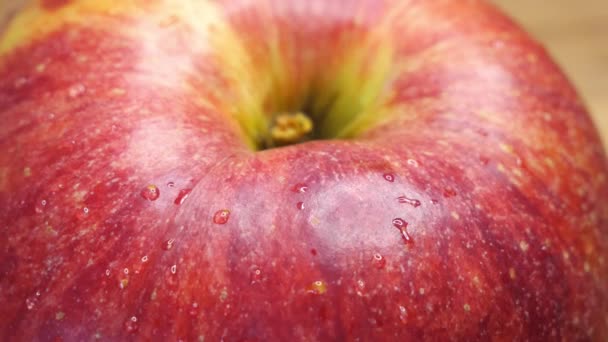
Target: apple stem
[{"x": 290, "y": 128}]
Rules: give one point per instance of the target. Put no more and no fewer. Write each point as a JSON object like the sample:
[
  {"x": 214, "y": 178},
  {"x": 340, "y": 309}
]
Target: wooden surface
[{"x": 576, "y": 34}]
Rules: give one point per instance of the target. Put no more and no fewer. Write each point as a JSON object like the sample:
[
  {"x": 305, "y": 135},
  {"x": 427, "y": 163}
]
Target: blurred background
[{"x": 576, "y": 34}]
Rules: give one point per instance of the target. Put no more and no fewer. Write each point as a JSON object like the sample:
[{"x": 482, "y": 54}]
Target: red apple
[{"x": 307, "y": 170}]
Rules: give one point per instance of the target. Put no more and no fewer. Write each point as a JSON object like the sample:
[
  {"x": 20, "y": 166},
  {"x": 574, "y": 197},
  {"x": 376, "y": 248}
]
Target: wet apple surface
[{"x": 266, "y": 170}]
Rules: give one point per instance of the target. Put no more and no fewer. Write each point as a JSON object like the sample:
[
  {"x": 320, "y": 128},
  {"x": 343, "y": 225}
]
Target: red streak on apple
[{"x": 229, "y": 242}]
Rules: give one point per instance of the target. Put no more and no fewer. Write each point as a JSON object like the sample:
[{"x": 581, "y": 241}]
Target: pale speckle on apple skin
[
  {"x": 117, "y": 92},
  {"x": 586, "y": 267},
  {"x": 20, "y": 82},
  {"x": 76, "y": 90}
]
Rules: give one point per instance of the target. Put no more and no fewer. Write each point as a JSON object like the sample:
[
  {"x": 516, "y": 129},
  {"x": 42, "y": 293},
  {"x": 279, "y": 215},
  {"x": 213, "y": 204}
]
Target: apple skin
[{"x": 472, "y": 204}]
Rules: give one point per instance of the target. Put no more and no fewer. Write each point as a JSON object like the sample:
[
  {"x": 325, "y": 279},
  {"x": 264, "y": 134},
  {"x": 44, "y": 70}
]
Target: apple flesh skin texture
[{"x": 508, "y": 241}]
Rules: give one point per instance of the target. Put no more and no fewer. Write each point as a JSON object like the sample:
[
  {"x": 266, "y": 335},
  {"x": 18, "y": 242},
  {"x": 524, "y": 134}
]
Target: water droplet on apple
[
  {"x": 379, "y": 261},
  {"x": 172, "y": 279},
  {"x": 300, "y": 205},
  {"x": 406, "y": 200},
  {"x": 221, "y": 216},
  {"x": 181, "y": 196},
  {"x": 389, "y": 177},
  {"x": 449, "y": 192},
  {"x": 41, "y": 206},
  {"x": 360, "y": 287},
  {"x": 131, "y": 325},
  {"x": 144, "y": 258},
  {"x": 434, "y": 201},
  {"x": 402, "y": 226},
  {"x": 171, "y": 184},
  {"x": 83, "y": 214},
  {"x": 167, "y": 245},
  {"x": 76, "y": 90},
  {"x": 484, "y": 160},
  {"x": 255, "y": 276},
  {"x": 300, "y": 188},
  {"x": 399, "y": 223},
  {"x": 150, "y": 192}
]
